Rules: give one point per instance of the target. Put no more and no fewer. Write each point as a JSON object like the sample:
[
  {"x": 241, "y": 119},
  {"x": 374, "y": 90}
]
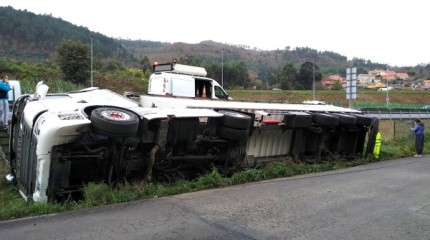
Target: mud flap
[{"x": 374, "y": 129}]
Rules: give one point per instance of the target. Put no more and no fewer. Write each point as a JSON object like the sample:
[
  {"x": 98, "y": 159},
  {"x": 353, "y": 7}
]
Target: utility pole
[
  {"x": 91, "y": 61},
  {"x": 222, "y": 68},
  {"x": 313, "y": 78},
  {"x": 388, "y": 98}
]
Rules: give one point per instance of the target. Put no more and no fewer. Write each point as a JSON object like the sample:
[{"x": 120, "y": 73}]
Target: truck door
[
  {"x": 203, "y": 88},
  {"x": 183, "y": 86},
  {"x": 159, "y": 85}
]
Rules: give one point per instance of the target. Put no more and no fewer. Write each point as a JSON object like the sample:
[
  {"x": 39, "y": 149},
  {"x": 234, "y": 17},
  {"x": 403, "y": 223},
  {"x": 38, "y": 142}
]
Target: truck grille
[{"x": 26, "y": 160}]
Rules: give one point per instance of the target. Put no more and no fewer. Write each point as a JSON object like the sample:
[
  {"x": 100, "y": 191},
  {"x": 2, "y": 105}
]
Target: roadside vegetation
[{"x": 98, "y": 194}]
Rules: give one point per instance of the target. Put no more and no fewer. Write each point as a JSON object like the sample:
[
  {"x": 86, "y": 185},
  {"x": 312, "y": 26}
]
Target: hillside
[
  {"x": 28, "y": 36},
  {"x": 258, "y": 62},
  {"x": 31, "y": 37}
]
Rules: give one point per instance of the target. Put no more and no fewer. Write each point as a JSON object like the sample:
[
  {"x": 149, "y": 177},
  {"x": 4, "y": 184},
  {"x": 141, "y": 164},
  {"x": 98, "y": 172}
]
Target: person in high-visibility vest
[{"x": 377, "y": 147}]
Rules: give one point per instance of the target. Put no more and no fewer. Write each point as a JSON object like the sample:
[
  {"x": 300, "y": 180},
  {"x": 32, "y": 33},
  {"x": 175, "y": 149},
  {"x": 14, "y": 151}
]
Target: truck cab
[{"x": 178, "y": 80}]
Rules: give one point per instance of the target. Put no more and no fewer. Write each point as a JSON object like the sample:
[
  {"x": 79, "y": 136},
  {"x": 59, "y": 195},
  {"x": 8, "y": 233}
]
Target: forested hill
[
  {"x": 27, "y": 36},
  {"x": 31, "y": 37}
]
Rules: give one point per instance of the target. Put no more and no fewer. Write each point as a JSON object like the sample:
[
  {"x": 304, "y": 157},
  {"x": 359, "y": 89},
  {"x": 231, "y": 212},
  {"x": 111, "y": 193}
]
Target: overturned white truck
[{"x": 59, "y": 142}]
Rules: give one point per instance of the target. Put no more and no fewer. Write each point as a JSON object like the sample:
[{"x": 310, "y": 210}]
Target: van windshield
[{"x": 219, "y": 93}]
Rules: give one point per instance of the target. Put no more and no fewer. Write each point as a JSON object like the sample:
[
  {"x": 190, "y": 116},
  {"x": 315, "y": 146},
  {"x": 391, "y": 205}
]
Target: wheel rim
[{"x": 115, "y": 115}]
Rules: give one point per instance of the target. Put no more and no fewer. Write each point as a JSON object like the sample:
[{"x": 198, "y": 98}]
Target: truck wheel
[
  {"x": 346, "y": 120},
  {"x": 236, "y": 120},
  {"x": 324, "y": 119},
  {"x": 233, "y": 134},
  {"x": 114, "y": 122},
  {"x": 363, "y": 120}
]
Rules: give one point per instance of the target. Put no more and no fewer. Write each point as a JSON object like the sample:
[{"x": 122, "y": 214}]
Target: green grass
[
  {"x": 29, "y": 86},
  {"x": 99, "y": 194}
]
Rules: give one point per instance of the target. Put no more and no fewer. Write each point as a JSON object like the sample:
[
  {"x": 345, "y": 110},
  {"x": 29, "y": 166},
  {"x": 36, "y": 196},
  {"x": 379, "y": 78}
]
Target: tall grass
[
  {"x": 28, "y": 86},
  {"x": 98, "y": 194}
]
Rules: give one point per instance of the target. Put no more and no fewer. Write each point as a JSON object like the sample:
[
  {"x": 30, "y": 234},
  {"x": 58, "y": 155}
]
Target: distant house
[
  {"x": 328, "y": 83},
  {"x": 426, "y": 84},
  {"x": 388, "y": 75},
  {"x": 384, "y": 76},
  {"x": 365, "y": 79},
  {"x": 377, "y": 73},
  {"x": 416, "y": 84},
  {"x": 402, "y": 75}
]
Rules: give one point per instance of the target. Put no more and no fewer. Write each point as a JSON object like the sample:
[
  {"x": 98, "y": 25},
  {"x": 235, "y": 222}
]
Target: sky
[{"x": 387, "y": 32}]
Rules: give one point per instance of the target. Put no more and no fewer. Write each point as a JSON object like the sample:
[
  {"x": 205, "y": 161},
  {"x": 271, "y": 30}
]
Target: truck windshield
[{"x": 219, "y": 93}]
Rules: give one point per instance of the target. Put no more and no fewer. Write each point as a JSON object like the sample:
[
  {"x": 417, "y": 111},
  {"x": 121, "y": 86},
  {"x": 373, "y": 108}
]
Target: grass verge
[{"x": 98, "y": 194}]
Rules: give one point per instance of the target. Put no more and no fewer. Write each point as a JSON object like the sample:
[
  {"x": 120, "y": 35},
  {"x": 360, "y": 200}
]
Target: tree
[
  {"x": 214, "y": 71},
  {"x": 336, "y": 86},
  {"x": 234, "y": 73},
  {"x": 145, "y": 64},
  {"x": 288, "y": 76},
  {"x": 240, "y": 77},
  {"x": 190, "y": 60},
  {"x": 305, "y": 77},
  {"x": 74, "y": 60},
  {"x": 113, "y": 65}
]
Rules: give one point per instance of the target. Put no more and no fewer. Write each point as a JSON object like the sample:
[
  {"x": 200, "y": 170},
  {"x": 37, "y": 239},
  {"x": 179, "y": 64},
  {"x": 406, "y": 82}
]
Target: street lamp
[
  {"x": 91, "y": 61},
  {"x": 222, "y": 68},
  {"x": 387, "y": 99},
  {"x": 313, "y": 78}
]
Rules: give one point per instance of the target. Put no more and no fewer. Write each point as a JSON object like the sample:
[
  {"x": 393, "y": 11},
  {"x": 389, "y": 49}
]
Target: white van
[{"x": 177, "y": 80}]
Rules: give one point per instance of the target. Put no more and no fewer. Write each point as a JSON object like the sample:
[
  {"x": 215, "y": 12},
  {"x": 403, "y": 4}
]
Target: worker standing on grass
[
  {"x": 4, "y": 102},
  {"x": 418, "y": 130},
  {"x": 377, "y": 147}
]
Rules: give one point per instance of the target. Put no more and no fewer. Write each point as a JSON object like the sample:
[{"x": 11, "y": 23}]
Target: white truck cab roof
[{"x": 180, "y": 69}]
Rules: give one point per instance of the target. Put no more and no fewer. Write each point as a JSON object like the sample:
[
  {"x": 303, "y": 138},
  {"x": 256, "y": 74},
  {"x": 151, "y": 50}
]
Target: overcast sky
[{"x": 390, "y": 32}]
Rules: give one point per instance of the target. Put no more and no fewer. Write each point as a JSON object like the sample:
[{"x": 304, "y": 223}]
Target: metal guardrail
[{"x": 397, "y": 113}]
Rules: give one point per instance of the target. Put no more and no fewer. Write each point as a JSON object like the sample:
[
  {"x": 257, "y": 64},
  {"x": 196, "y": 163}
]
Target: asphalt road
[{"x": 385, "y": 200}]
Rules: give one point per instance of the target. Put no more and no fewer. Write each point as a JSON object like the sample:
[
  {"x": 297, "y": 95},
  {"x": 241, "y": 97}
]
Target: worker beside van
[{"x": 4, "y": 102}]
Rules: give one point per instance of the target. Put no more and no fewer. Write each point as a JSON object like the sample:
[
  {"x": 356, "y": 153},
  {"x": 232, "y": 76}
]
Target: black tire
[
  {"x": 233, "y": 134},
  {"x": 236, "y": 120},
  {"x": 325, "y": 119},
  {"x": 346, "y": 120},
  {"x": 298, "y": 120},
  {"x": 114, "y": 122},
  {"x": 363, "y": 120}
]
